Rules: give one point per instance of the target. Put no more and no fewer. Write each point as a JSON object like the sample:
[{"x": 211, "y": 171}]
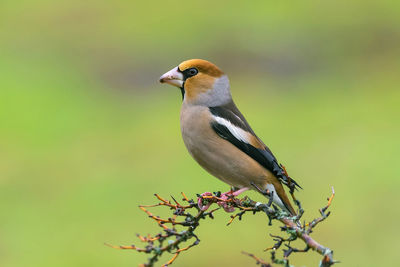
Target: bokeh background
[{"x": 87, "y": 133}]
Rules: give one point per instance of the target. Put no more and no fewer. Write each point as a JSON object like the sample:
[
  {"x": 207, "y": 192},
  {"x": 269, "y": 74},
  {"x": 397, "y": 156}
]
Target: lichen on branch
[{"x": 187, "y": 215}]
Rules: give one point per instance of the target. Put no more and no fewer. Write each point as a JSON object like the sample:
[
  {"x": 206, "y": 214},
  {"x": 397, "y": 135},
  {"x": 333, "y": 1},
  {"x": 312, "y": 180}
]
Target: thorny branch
[{"x": 188, "y": 215}]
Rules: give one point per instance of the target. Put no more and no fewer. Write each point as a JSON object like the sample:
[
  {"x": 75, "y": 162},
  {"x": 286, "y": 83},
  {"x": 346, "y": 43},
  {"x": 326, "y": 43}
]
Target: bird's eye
[{"x": 191, "y": 72}]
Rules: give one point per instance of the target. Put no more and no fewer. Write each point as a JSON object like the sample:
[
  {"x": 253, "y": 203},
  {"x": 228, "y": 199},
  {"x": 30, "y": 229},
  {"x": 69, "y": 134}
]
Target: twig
[
  {"x": 189, "y": 215},
  {"x": 258, "y": 260}
]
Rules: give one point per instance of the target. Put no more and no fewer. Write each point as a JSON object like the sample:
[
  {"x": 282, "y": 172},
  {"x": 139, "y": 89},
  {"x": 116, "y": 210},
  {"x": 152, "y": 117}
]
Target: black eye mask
[{"x": 189, "y": 73}]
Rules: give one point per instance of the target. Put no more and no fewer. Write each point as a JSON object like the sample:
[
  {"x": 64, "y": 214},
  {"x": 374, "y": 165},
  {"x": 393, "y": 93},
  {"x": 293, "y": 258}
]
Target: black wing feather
[{"x": 263, "y": 156}]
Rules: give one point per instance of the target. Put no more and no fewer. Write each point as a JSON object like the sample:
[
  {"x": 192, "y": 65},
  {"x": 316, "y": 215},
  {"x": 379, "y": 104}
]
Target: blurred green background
[{"x": 87, "y": 133}]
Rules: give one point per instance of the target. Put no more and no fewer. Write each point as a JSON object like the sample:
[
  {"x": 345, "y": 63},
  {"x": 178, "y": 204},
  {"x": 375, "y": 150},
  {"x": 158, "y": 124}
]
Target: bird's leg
[{"x": 238, "y": 192}]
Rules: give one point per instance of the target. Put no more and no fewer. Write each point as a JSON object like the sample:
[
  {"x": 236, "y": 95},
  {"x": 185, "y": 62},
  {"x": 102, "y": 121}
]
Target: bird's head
[{"x": 201, "y": 82}]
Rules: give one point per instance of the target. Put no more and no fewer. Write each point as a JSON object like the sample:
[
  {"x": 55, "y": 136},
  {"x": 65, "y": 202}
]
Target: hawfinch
[{"x": 220, "y": 139}]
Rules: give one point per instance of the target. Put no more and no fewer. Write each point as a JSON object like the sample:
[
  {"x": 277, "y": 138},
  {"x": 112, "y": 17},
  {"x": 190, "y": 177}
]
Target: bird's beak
[{"x": 173, "y": 77}]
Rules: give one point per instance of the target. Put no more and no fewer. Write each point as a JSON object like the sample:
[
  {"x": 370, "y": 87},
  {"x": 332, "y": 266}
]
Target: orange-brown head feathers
[
  {"x": 201, "y": 82},
  {"x": 203, "y": 66}
]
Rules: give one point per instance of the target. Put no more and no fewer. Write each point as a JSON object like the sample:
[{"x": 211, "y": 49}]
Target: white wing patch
[
  {"x": 276, "y": 199},
  {"x": 237, "y": 132}
]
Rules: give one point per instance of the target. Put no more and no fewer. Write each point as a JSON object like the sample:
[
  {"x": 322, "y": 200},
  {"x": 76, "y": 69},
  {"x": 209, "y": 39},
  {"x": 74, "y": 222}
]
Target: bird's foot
[
  {"x": 224, "y": 202},
  {"x": 204, "y": 204},
  {"x": 222, "y": 199},
  {"x": 230, "y": 195}
]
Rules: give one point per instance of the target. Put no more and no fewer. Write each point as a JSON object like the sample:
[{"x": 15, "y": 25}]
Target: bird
[{"x": 220, "y": 139}]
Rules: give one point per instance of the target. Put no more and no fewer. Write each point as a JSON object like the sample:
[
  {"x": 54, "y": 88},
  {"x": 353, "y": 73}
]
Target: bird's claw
[
  {"x": 204, "y": 204},
  {"x": 224, "y": 204}
]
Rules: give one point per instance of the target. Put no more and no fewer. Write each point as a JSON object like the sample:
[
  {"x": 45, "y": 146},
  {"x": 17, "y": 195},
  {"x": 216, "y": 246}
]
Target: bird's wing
[{"x": 230, "y": 125}]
